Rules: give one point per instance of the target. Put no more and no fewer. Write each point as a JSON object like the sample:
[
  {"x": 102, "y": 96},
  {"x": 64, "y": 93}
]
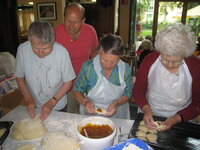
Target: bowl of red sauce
[{"x": 96, "y": 133}]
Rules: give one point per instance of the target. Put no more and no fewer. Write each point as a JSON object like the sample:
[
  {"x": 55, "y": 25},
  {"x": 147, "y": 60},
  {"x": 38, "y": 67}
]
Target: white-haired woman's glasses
[{"x": 174, "y": 62}]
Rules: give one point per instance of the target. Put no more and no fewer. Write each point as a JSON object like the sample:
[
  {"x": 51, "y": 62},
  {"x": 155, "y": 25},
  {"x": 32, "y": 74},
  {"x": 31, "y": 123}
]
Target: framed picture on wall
[{"x": 46, "y": 11}]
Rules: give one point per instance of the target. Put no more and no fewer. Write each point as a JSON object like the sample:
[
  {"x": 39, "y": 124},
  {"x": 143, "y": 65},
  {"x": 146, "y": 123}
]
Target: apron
[
  {"x": 104, "y": 92},
  {"x": 168, "y": 93}
]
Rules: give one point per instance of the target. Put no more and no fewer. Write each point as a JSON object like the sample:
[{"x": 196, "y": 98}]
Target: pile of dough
[
  {"x": 152, "y": 137},
  {"x": 28, "y": 129},
  {"x": 145, "y": 134},
  {"x": 100, "y": 111},
  {"x": 59, "y": 141},
  {"x": 27, "y": 147}
]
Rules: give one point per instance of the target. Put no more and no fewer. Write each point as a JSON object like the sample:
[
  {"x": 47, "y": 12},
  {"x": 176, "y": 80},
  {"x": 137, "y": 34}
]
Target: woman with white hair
[
  {"x": 44, "y": 71},
  {"x": 168, "y": 80}
]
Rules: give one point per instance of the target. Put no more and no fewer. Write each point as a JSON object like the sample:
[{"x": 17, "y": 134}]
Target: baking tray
[
  {"x": 6, "y": 125},
  {"x": 182, "y": 136}
]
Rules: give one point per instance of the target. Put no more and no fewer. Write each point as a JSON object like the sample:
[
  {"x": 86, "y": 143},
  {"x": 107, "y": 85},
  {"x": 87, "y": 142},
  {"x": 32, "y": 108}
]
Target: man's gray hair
[
  {"x": 41, "y": 30},
  {"x": 176, "y": 40}
]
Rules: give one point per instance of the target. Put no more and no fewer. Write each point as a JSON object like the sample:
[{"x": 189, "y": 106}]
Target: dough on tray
[
  {"x": 140, "y": 133},
  {"x": 143, "y": 128},
  {"x": 28, "y": 129},
  {"x": 142, "y": 123},
  {"x": 159, "y": 125},
  {"x": 152, "y": 137},
  {"x": 142, "y": 138},
  {"x": 58, "y": 141},
  {"x": 27, "y": 147}
]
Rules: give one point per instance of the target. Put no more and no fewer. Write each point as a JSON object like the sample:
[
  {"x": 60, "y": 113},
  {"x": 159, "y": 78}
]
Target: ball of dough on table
[
  {"x": 140, "y": 133},
  {"x": 27, "y": 147},
  {"x": 152, "y": 131},
  {"x": 143, "y": 128},
  {"x": 28, "y": 129},
  {"x": 152, "y": 137},
  {"x": 59, "y": 141}
]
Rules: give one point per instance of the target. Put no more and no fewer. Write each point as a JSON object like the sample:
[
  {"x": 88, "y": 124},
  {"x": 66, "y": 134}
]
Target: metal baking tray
[
  {"x": 7, "y": 125},
  {"x": 182, "y": 136}
]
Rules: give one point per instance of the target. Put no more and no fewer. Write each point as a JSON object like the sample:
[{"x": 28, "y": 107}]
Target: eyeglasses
[{"x": 176, "y": 63}]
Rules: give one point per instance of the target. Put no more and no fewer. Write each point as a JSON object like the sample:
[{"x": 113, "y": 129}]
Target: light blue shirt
[
  {"x": 87, "y": 78},
  {"x": 44, "y": 76}
]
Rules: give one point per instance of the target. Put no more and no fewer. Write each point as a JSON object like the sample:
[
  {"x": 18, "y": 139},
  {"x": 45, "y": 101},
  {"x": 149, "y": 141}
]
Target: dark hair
[{"x": 111, "y": 44}]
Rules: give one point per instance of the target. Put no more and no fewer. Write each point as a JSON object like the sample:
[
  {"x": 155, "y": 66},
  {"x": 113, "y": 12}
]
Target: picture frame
[{"x": 47, "y": 11}]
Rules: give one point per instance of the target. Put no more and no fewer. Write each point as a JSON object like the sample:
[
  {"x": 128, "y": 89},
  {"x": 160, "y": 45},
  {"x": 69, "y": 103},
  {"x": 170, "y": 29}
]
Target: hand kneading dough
[
  {"x": 28, "y": 129},
  {"x": 152, "y": 137},
  {"x": 59, "y": 141},
  {"x": 26, "y": 147}
]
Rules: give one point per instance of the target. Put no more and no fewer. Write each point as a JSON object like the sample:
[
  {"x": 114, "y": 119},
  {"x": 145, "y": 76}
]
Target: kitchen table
[{"x": 56, "y": 121}]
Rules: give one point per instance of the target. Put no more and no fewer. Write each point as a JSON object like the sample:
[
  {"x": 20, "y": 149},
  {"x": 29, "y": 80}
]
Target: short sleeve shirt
[{"x": 44, "y": 76}]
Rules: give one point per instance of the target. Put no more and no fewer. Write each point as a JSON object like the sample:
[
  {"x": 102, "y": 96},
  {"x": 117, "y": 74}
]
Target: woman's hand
[
  {"x": 31, "y": 105},
  {"x": 148, "y": 117},
  {"x": 170, "y": 122},
  {"x": 47, "y": 108},
  {"x": 112, "y": 109},
  {"x": 89, "y": 107}
]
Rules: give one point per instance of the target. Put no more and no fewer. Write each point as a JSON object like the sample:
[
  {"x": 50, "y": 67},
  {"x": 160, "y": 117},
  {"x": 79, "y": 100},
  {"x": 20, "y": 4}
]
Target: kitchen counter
[{"x": 56, "y": 121}]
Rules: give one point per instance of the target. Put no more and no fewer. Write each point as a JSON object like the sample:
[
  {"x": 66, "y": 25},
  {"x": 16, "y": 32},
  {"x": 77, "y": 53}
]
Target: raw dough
[
  {"x": 159, "y": 125},
  {"x": 27, "y": 147},
  {"x": 28, "y": 129},
  {"x": 142, "y": 123},
  {"x": 152, "y": 137},
  {"x": 152, "y": 131},
  {"x": 140, "y": 133},
  {"x": 59, "y": 141},
  {"x": 100, "y": 111},
  {"x": 143, "y": 128},
  {"x": 142, "y": 138}
]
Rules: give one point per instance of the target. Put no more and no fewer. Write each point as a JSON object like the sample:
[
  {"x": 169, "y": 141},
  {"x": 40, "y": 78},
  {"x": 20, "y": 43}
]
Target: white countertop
[{"x": 56, "y": 121}]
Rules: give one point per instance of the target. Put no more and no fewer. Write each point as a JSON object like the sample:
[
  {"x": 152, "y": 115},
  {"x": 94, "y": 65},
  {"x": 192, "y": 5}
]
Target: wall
[
  {"x": 60, "y": 5},
  {"x": 124, "y": 22},
  {"x": 103, "y": 23}
]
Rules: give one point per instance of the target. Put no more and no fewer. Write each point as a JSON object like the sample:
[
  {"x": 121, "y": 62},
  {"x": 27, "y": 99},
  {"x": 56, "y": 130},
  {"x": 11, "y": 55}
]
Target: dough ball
[
  {"x": 140, "y": 133},
  {"x": 28, "y": 129},
  {"x": 59, "y": 141},
  {"x": 142, "y": 123},
  {"x": 152, "y": 137},
  {"x": 100, "y": 111},
  {"x": 143, "y": 128},
  {"x": 152, "y": 131},
  {"x": 159, "y": 125},
  {"x": 27, "y": 147},
  {"x": 142, "y": 138}
]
